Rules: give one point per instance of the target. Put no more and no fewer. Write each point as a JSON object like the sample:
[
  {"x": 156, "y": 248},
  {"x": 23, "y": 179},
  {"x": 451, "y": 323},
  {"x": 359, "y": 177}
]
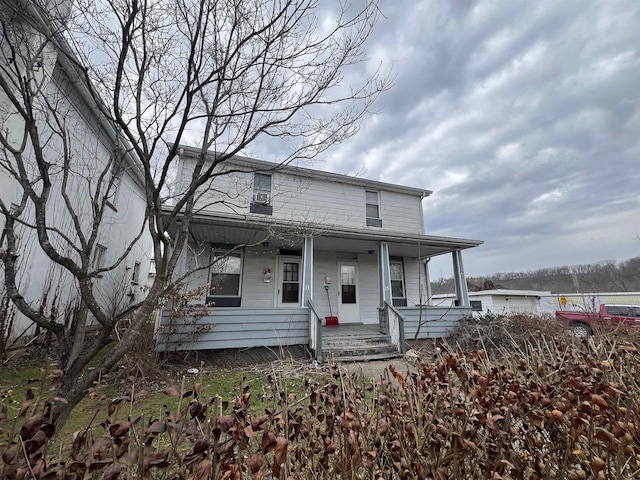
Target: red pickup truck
[{"x": 582, "y": 322}]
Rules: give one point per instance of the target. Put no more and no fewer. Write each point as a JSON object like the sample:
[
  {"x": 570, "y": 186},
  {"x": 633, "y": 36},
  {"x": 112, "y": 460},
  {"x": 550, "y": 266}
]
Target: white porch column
[
  {"x": 307, "y": 272},
  {"x": 462, "y": 294},
  {"x": 384, "y": 273},
  {"x": 427, "y": 279}
]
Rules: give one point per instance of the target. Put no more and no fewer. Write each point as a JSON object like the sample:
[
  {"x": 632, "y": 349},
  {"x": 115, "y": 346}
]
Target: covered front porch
[{"x": 281, "y": 281}]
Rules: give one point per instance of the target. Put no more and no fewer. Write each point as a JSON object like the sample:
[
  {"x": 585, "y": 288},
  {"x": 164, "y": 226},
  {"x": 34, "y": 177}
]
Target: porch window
[
  {"x": 226, "y": 272},
  {"x": 398, "y": 294},
  {"x": 261, "y": 202},
  {"x": 476, "y": 305},
  {"x": 373, "y": 209}
]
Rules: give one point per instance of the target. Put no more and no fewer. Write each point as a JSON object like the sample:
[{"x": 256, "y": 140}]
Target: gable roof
[{"x": 266, "y": 166}]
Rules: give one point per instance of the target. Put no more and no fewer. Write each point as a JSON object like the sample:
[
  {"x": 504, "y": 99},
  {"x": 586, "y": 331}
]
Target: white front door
[
  {"x": 289, "y": 282},
  {"x": 348, "y": 307}
]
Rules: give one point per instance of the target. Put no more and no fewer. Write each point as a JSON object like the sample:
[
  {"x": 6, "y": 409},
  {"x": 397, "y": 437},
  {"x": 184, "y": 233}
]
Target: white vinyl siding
[
  {"x": 255, "y": 292},
  {"x": 311, "y": 200},
  {"x": 414, "y": 282}
]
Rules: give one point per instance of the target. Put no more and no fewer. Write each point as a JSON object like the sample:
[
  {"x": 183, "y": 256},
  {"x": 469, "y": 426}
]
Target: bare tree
[{"x": 215, "y": 74}]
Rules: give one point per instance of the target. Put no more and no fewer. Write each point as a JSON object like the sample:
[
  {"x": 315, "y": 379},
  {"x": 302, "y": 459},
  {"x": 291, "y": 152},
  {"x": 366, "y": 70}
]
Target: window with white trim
[
  {"x": 261, "y": 201},
  {"x": 225, "y": 274},
  {"x": 372, "y": 207},
  {"x": 99, "y": 256},
  {"x": 398, "y": 294},
  {"x": 135, "y": 276}
]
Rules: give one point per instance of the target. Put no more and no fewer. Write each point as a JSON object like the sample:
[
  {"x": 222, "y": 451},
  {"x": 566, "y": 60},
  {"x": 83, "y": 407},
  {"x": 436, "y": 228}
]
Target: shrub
[
  {"x": 552, "y": 410},
  {"x": 498, "y": 332}
]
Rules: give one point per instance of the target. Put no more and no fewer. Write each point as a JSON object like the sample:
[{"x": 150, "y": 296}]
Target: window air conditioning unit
[{"x": 261, "y": 198}]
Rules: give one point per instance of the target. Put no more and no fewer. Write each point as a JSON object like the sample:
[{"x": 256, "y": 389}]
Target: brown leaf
[
  {"x": 10, "y": 454},
  {"x": 255, "y": 462},
  {"x": 157, "y": 426},
  {"x": 280, "y": 455},
  {"x": 24, "y": 407},
  {"x": 203, "y": 470},
  {"x": 599, "y": 400},
  {"x": 268, "y": 442},
  {"x": 257, "y": 423},
  {"x": 31, "y": 426},
  {"x": 225, "y": 423},
  {"x": 119, "y": 429},
  {"x": 203, "y": 443},
  {"x": 35, "y": 442},
  {"x": 597, "y": 464},
  {"x": 112, "y": 472},
  {"x": 171, "y": 391}
]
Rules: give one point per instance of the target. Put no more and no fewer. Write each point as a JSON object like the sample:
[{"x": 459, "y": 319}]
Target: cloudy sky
[{"x": 523, "y": 117}]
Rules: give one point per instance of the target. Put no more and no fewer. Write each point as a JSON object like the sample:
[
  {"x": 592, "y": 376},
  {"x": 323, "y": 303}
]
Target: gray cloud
[{"x": 524, "y": 117}]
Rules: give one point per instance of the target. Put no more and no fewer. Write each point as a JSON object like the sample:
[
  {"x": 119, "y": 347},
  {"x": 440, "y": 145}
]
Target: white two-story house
[{"x": 281, "y": 248}]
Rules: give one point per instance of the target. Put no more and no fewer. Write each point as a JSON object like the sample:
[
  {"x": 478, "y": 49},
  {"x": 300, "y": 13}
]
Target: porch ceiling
[{"x": 226, "y": 230}]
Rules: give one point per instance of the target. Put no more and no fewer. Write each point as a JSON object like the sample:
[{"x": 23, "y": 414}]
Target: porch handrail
[
  {"x": 395, "y": 322},
  {"x": 315, "y": 331}
]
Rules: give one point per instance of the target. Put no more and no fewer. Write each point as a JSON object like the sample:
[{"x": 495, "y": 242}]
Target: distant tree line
[{"x": 605, "y": 276}]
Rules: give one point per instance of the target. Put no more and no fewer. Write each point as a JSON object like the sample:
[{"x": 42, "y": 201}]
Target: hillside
[{"x": 605, "y": 276}]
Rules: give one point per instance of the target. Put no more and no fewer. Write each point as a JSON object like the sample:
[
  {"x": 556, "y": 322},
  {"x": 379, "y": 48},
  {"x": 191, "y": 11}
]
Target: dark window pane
[
  {"x": 372, "y": 211},
  {"x": 348, "y": 294},
  {"x": 290, "y": 292},
  {"x": 476, "y": 305},
  {"x": 290, "y": 272},
  {"x": 225, "y": 284},
  {"x": 397, "y": 290},
  {"x": 262, "y": 182}
]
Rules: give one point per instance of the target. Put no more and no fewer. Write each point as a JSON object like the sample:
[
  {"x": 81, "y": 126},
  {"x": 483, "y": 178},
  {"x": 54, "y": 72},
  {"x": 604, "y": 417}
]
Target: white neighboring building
[
  {"x": 499, "y": 301},
  {"x": 93, "y": 144},
  {"x": 505, "y": 301}
]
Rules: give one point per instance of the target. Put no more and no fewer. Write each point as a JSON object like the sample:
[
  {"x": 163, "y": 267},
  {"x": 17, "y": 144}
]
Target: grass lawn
[{"x": 126, "y": 397}]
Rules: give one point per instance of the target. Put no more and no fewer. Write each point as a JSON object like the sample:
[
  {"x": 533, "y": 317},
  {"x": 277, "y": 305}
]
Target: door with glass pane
[
  {"x": 348, "y": 306},
  {"x": 289, "y": 281}
]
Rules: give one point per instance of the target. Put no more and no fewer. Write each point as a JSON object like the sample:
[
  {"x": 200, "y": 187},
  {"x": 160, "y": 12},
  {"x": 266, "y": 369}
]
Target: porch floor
[{"x": 350, "y": 330}]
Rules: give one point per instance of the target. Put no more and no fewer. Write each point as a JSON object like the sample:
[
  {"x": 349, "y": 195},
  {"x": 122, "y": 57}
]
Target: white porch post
[
  {"x": 307, "y": 272},
  {"x": 462, "y": 294},
  {"x": 385, "y": 275},
  {"x": 427, "y": 279}
]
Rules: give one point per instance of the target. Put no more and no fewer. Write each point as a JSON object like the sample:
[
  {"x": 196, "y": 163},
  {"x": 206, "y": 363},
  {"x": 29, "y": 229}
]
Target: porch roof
[{"x": 254, "y": 230}]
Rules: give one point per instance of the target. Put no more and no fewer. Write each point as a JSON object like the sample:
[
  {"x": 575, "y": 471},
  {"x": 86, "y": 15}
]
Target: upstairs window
[
  {"x": 261, "y": 201},
  {"x": 373, "y": 209}
]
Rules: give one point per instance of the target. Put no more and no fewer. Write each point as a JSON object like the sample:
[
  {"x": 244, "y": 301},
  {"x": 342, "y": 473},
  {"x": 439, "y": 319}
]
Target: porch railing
[
  {"x": 394, "y": 323},
  {"x": 315, "y": 331}
]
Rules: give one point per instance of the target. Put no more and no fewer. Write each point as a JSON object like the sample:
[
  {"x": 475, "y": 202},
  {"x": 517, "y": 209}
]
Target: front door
[
  {"x": 348, "y": 307},
  {"x": 289, "y": 282}
]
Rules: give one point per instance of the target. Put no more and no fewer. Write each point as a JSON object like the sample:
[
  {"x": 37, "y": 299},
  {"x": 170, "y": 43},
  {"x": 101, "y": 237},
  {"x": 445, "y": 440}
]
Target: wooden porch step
[
  {"x": 362, "y": 358},
  {"x": 361, "y": 348}
]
